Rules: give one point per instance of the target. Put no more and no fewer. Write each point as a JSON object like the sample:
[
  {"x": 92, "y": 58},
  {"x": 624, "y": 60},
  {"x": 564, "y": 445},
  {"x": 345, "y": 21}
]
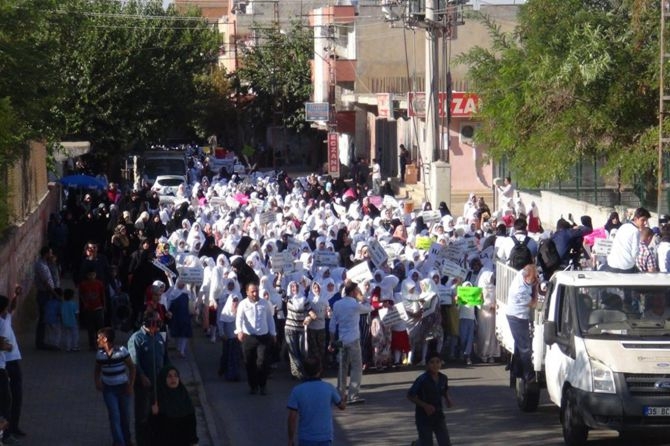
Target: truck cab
[{"x": 602, "y": 348}]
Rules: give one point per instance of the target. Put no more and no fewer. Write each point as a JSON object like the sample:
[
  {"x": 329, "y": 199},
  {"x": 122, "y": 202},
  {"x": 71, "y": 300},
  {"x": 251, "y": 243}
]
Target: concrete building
[{"x": 367, "y": 63}]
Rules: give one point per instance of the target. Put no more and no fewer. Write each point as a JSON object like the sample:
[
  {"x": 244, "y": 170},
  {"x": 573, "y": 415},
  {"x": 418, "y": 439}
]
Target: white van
[
  {"x": 601, "y": 348},
  {"x": 162, "y": 162}
]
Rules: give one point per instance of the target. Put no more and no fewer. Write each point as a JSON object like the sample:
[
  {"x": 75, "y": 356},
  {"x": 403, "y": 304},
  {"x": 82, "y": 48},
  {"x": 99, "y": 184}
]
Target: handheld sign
[
  {"x": 281, "y": 262},
  {"x": 602, "y": 246},
  {"x": 267, "y": 217},
  {"x": 377, "y": 254},
  {"x": 191, "y": 274},
  {"x": 168, "y": 272},
  {"x": 452, "y": 269},
  {"x": 389, "y": 316},
  {"x": 359, "y": 273},
  {"x": 431, "y": 216},
  {"x": 423, "y": 242},
  {"x": 469, "y": 295},
  {"x": 326, "y": 258}
]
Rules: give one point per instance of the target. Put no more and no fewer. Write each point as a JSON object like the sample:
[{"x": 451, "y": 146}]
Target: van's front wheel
[
  {"x": 527, "y": 395},
  {"x": 575, "y": 432}
]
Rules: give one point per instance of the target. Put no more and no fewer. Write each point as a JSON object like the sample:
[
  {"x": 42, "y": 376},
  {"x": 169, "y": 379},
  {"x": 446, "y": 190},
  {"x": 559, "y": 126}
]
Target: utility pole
[
  {"x": 663, "y": 139},
  {"x": 432, "y": 113}
]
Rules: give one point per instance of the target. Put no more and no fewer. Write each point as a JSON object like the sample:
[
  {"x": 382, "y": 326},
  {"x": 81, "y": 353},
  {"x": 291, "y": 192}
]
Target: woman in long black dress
[{"x": 173, "y": 422}]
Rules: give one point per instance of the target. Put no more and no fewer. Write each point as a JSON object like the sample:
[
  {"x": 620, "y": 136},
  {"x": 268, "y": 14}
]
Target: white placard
[
  {"x": 452, "y": 270},
  {"x": 281, "y": 262},
  {"x": 294, "y": 249},
  {"x": 377, "y": 254},
  {"x": 456, "y": 251},
  {"x": 163, "y": 268},
  {"x": 325, "y": 258},
  {"x": 431, "y": 216},
  {"x": 602, "y": 246},
  {"x": 217, "y": 201},
  {"x": 438, "y": 251},
  {"x": 265, "y": 218},
  {"x": 359, "y": 273},
  {"x": 402, "y": 310},
  {"x": 390, "y": 316},
  {"x": 393, "y": 250},
  {"x": 191, "y": 274}
]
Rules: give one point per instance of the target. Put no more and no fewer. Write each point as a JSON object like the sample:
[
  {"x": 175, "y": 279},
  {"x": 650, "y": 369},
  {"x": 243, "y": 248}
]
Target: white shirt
[
  {"x": 625, "y": 247},
  {"x": 255, "y": 318},
  {"x": 14, "y": 354},
  {"x": 519, "y": 297},
  {"x": 663, "y": 249},
  {"x": 346, "y": 316},
  {"x": 376, "y": 172},
  {"x": 506, "y": 245}
]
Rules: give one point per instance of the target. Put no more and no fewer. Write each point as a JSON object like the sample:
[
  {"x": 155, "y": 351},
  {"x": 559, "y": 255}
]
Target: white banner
[
  {"x": 390, "y": 316},
  {"x": 359, "y": 273},
  {"x": 281, "y": 262},
  {"x": 325, "y": 258},
  {"x": 431, "y": 216},
  {"x": 191, "y": 274},
  {"x": 452, "y": 270},
  {"x": 377, "y": 253},
  {"x": 602, "y": 246},
  {"x": 265, "y": 218}
]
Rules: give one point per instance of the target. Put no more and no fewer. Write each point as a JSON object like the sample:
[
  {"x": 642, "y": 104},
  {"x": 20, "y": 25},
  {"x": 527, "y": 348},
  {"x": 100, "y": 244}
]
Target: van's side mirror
[{"x": 549, "y": 332}]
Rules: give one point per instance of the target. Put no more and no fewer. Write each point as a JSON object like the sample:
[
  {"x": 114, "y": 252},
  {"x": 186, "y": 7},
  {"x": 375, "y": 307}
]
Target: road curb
[{"x": 202, "y": 396}]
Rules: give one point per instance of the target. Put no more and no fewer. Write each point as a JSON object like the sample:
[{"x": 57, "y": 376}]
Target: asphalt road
[{"x": 485, "y": 411}]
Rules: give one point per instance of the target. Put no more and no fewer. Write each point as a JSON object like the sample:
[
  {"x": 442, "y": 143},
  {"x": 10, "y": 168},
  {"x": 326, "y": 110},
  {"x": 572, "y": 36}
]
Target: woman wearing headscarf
[
  {"x": 173, "y": 421},
  {"x": 230, "y": 350},
  {"x": 316, "y": 327},
  {"x": 298, "y": 309},
  {"x": 613, "y": 222},
  {"x": 487, "y": 346},
  {"x": 178, "y": 304},
  {"x": 245, "y": 274}
]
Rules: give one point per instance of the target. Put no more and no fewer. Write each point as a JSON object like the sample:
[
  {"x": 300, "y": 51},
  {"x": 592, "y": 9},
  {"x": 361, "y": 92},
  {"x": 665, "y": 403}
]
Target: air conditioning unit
[{"x": 467, "y": 133}]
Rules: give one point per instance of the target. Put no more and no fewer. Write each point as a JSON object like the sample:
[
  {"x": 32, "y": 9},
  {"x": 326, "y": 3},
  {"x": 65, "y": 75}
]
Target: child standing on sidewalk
[{"x": 69, "y": 312}]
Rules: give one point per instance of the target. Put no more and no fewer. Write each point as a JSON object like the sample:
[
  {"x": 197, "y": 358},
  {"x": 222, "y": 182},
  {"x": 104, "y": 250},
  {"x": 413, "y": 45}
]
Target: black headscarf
[{"x": 173, "y": 403}]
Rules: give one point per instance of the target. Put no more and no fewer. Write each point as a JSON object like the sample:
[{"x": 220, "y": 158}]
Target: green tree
[
  {"x": 276, "y": 73},
  {"x": 576, "y": 79},
  {"x": 131, "y": 71}
]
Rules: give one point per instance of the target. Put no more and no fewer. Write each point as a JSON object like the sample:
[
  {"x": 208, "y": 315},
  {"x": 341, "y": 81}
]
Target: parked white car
[{"x": 169, "y": 184}]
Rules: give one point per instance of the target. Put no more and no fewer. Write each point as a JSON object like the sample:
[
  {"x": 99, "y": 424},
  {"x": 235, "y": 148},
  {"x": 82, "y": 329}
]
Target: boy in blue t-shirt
[
  {"x": 427, "y": 393},
  {"x": 310, "y": 405}
]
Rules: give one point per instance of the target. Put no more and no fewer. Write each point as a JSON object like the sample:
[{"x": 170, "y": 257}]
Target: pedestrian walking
[
  {"x": 148, "y": 351},
  {"x": 255, "y": 329},
  {"x": 173, "y": 421},
  {"x": 310, "y": 407},
  {"x": 427, "y": 393},
  {"x": 115, "y": 378},
  {"x": 345, "y": 321},
  {"x": 13, "y": 366}
]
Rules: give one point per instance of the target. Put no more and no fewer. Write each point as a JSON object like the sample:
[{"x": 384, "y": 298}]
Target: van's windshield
[
  {"x": 624, "y": 311},
  {"x": 164, "y": 166}
]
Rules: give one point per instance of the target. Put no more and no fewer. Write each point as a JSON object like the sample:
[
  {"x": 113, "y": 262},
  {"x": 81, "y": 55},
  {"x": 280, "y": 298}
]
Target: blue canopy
[{"x": 82, "y": 181}]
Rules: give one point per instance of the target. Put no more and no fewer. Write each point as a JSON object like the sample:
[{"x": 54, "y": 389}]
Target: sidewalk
[{"x": 61, "y": 406}]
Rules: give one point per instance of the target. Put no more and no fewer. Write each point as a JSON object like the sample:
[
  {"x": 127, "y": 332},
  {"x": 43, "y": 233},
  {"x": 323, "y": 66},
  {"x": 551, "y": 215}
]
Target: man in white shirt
[
  {"x": 521, "y": 299},
  {"x": 520, "y": 234},
  {"x": 345, "y": 320},
  {"x": 255, "y": 329},
  {"x": 626, "y": 245}
]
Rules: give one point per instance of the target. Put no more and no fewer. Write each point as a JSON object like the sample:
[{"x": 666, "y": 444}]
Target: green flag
[{"x": 469, "y": 295}]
